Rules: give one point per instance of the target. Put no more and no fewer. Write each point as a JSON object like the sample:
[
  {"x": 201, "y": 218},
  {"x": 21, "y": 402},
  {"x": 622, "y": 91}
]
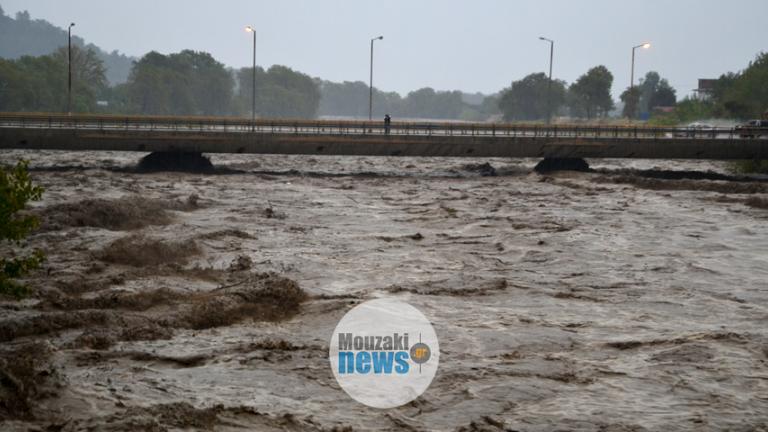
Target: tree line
[
  {"x": 195, "y": 83},
  {"x": 40, "y": 83},
  {"x": 191, "y": 83},
  {"x": 350, "y": 99},
  {"x": 534, "y": 97},
  {"x": 739, "y": 95},
  {"x": 736, "y": 95},
  {"x": 185, "y": 83}
]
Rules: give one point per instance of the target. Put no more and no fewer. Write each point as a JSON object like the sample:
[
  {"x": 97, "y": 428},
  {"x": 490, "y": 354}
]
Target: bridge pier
[
  {"x": 551, "y": 164},
  {"x": 180, "y": 161}
]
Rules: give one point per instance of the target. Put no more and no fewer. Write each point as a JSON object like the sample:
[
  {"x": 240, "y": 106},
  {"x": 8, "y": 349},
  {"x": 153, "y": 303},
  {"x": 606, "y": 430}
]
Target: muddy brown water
[{"x": 573, "y": 301}]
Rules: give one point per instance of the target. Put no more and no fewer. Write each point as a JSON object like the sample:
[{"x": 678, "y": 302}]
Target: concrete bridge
[{"x": 360, "y": 138}]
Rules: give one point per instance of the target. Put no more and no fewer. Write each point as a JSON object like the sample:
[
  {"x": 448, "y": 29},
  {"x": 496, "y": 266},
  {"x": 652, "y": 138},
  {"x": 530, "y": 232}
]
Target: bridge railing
[{"x": 352, "y": 127}]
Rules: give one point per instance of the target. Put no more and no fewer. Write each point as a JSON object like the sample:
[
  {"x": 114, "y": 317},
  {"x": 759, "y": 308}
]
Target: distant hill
[{"x": 25, "y": 36}]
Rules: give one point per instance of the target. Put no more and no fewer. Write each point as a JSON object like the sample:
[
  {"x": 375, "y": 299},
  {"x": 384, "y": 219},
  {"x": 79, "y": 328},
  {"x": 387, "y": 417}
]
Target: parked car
[{"x": 753, "y": 129}]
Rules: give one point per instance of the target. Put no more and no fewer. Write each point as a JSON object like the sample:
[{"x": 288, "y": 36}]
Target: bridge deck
[{"x": 229, "y": 135}]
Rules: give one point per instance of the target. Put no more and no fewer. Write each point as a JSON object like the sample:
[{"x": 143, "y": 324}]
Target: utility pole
[
  {"x": 370, "y": 95},
  {"x": 253, "y": 94},
  {"x": 636, "y": 101},
  {"x": 644, "y": 46},
  {"x": 549, "y": 86},
  {"x": 69, "y": 67}
]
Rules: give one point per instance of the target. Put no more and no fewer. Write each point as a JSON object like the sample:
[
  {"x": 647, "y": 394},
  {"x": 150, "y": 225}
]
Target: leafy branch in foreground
[{"x": 16, "y": 190}]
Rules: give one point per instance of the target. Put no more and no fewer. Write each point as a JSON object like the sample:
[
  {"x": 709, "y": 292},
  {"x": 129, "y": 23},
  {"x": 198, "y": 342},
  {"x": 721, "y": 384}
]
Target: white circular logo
[{"x": 384, "y": 353}]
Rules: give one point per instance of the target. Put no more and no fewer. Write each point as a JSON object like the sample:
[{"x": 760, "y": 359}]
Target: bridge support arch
[
  {"x": 551, "y": 164},
  {"x": 182, "y": 161}
]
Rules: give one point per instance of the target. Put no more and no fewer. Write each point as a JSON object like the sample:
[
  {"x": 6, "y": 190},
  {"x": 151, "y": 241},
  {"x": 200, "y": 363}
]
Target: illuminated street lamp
[
  {"x": 250, "y": 29},
  {"x": 549, "y": 87},
  {"x": 69, "y": 68},
  {"x": 643, "y": 46},
  {"x": 370, "y": 95}
]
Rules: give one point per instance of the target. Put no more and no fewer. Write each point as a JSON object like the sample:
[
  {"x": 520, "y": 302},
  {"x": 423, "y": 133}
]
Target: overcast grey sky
[{"x": 479, "y": 45}]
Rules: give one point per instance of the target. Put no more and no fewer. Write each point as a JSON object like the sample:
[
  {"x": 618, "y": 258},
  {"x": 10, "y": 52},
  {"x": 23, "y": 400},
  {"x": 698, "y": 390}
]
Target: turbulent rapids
[{"x": 623, "y": 298}]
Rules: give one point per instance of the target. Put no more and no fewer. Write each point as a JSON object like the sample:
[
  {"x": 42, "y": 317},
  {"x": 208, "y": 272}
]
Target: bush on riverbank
[{"x": 16, "y": 190}]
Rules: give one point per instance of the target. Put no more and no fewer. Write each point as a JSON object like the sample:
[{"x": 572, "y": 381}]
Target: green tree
[
  {"x": 419, "y": 103},
  {"x": 745, "y": 95},
  {"x": 689, "y": 110},
  {"x": 741, "y": 95},
  {"x": 16, "y": 190},
  {"x": 387, "y": 103},
  {"x": 528, "y": 99},
  {"x": 343, "y": 99},
  {"x": 13, "y": 84},
  {"x": 211, "y": 83},
  {"x": 185, "y": 83},
  {"x": 665, "y": 96},
  {"x": 89, "y": 79},
  {"x": 33, "y": 84},
  {"x": 631, "y": 99},
  {"x": 350, "y": 99},
  {"x": 431, "y": 104},
  {"x": 480, "y": 107},
  {"x": 281, "y": 92},
  {"x": 490, "y": 106},
  {"x": 590, "y": 95},
  {"x": 118, "y": 99},
  {"x": 655, "y": 92},
  {"x": 647, "y": 86},
  {"x": 154, "y": 87},
  {"x": 723, "y": 85},
  {"x": 40, "y": 83}
]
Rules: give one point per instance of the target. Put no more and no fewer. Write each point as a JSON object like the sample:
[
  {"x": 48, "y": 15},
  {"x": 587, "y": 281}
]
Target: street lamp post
[
  {"x": 549, "y": 86},
  {"x": 644, "y": 46},
  {"x": 370, "y": 94},
  {"x": 69, "y": 69},
  {"x": 253, "y": 94}
]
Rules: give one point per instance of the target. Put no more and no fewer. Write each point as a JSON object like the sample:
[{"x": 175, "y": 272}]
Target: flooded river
[{"x": 608, "y": 300}]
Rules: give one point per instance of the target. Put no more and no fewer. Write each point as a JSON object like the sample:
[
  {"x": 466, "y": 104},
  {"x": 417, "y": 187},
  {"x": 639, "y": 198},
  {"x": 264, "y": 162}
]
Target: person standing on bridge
[{"x": 387, "y": 123}]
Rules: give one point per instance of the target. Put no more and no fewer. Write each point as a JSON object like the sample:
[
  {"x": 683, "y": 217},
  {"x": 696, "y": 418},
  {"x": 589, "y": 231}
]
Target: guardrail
[{"x": 347, "y": 127}]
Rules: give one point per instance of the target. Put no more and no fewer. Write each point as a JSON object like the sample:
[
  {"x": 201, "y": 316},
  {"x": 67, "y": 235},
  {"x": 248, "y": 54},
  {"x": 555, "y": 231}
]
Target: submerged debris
[
  {"x": 264, "y": 297},
  {"x": 241, "y": 263},
  {"x": 484, "y": 169},
  {"x": 124, "y": 316},
  {"x": 140, "y": 251},
  {"x": 26, "y": 374},
  {"x": 127, "y": 213}
]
